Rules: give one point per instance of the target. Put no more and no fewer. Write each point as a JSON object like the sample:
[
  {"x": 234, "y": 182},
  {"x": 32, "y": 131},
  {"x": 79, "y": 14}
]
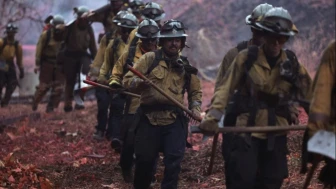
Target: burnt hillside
[{"x": 216, "y": 26}]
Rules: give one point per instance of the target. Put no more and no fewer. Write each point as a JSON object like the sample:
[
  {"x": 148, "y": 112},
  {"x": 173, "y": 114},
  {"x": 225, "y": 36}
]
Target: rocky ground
[{"x": 56, "y": 150}]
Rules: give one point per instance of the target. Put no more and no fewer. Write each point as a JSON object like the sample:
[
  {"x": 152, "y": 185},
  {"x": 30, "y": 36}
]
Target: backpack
[{"x": 239, "y": 105}]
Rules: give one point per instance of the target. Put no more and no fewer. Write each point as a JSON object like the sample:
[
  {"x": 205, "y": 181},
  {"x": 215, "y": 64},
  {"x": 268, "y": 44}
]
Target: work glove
[
  {"x": 196, "y": 112},
  {"x": 21, "y": 73},
  {"x": 209, "y": 125},
  {"x": 36, "y": 69},
  {"x": 115, "y": 84}
]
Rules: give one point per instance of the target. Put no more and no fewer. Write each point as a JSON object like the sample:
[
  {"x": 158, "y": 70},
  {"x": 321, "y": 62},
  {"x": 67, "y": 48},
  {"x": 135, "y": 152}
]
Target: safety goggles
[
  {"x": 148, "y": 29},
  {"x": 170, "y": 25},
  {"x": 127, "y": 22},
  {"x": 148, "y": 12},
  {"x": 280, "y": 26}
]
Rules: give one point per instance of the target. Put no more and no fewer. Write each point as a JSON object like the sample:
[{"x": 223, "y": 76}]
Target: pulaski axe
[
  {"x": 260, "y": 129},
  {"x": 177, "y": 103},
  {"x": 95, "y": 84}
]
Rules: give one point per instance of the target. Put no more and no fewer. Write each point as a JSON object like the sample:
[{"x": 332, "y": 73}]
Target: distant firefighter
[
  {"x": 51, "y": 76},
  {"x": 10, "y": 49}
]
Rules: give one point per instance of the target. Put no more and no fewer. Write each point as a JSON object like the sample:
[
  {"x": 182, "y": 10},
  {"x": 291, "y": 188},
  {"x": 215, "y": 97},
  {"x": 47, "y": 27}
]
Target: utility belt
[
  {"x": 5, "y": 65},
  {"x": 247, "y": 104},
  {"x": 76, "y": 54},
  {"x": 46, "y": 58},
  {"x": 160, "y": 107},
  {"x": 242, "y": 104}
]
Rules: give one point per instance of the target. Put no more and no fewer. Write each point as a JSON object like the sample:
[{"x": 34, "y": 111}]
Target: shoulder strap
[
  {"x": 242, "y": 45},
  {"x": 291, "y": 55},
  {"x": 115, "y": 45},
  {"x": 16, "y": 45},
  {"x": 48, "y": 38},
  {"x": 108, "y": 37},
  {"x": 131, "y": 51},
  {"x": 295, "y": 62},
  {"x": 252, "y": 56},
  {"x": 156, "y": 61},
  {"x": 3, "y": 45}
]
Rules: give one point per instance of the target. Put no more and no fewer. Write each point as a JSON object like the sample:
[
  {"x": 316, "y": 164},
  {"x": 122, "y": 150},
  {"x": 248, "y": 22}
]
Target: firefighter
[
  {"x": 10, "y": 49},
  {"x": 78, "y": 38},
  {"x": 267, "y": 78},
  {"x": 322, "y": 114},
  {"x": 136, "y": 7},
  {"x": 106, "y": 14},
  {"x": 257, "y": 39},
  {"x": 162, "y": 126},
  {"x": 148, "y": 32},
  {"x": 51, "y": 76},
  {"x": 115, "y": 105}
]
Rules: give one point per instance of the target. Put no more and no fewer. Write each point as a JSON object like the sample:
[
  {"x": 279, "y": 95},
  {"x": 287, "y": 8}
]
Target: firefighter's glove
[
  {"x": 36, "y": 69},
  {"x": 21, "y": 73},
  {"x": 139, "y": 83},
  {"x": 115, "y": 84}
]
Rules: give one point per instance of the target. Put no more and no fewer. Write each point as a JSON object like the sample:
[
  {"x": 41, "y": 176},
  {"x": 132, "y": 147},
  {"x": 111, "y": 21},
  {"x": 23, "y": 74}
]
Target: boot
[
  {"x": 127, "y": 175},
  {"x": 98, "y": 135},
  {"x": 79, "y": 107}
]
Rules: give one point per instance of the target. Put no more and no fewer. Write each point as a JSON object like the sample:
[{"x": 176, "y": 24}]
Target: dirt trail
[{"x": 58, "y": 149}]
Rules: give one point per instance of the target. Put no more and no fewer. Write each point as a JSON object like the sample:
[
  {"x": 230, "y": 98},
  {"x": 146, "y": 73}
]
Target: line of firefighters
[{"x": 258, "y": 84}]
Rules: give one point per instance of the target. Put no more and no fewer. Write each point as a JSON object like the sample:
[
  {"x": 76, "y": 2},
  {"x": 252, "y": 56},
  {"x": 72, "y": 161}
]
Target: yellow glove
[{"x": 115, "y": 84}]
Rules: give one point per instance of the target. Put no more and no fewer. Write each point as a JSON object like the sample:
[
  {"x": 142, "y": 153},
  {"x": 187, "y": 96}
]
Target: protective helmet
[
  {"x": 256, "y": 14},
  {"x": 119, "y": 15},
  {"x": 82, "y": 10},
  {"x": 128, "y": 21},
  {"x": 57, "y": 19},
  {"x": 135, "y": 5},
  {"x": 172, "y": 28},
  {"x": 148, "y": 28},
  {"x": 153, "y": 11},
  {"x": 278, "y": 20},
  {"x": 11, "y": 28}
]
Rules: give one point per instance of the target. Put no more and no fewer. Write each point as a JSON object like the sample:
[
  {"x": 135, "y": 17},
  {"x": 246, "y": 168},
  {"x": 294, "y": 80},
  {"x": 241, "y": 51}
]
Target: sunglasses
[
  {"x": 147, "y": 40},
  {"x": 126, "y": 30},
  {"x": 277, "y": 38}
]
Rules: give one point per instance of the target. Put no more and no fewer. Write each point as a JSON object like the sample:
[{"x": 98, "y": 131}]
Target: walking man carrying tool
[
  {"x": 268, "y": 78},
  {"x": 162, "y": 125}
]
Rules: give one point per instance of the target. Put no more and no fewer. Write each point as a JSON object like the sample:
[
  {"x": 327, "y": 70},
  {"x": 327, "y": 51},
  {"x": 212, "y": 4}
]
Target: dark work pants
[
  {"x": 252, "y": 166},
  {"x": 103, "y": 103},
  {"x": 229, "y": 120},
  {"x": 9, "y": 81},
  {"x": 127, "y": 151},
  {"x": 149, "y": 140},
  {"x": 110, "y": 112},
  {"x": 72, "y": 66}
]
